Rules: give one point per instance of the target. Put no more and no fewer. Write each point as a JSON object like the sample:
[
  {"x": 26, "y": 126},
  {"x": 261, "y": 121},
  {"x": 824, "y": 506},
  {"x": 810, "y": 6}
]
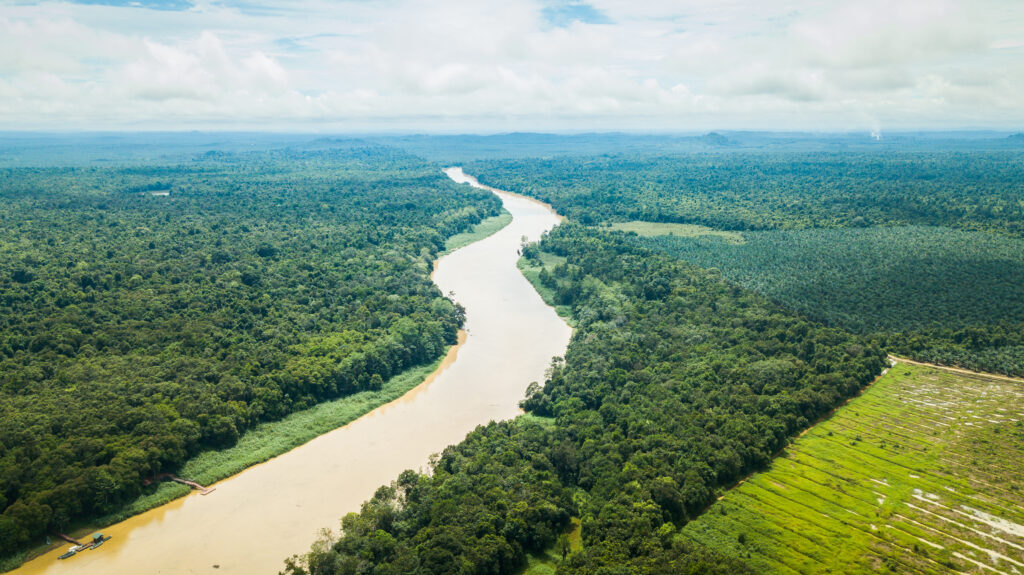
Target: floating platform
[{"x": 97, "y": 540}]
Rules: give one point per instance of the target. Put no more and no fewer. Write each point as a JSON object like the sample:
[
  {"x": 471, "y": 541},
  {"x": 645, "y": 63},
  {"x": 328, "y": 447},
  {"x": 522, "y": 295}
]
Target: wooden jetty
[
  {"x": 162, "y": 476},
  {"x": 202, "y": 490},
  {"x": 97, "y": 540},
  {"x": 69, "y": 539}
]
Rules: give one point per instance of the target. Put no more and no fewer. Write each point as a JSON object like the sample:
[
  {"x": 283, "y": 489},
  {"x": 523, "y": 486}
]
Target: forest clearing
[
  {"x": 919, "y": 474},
  {"x": 655, "y": 229}
]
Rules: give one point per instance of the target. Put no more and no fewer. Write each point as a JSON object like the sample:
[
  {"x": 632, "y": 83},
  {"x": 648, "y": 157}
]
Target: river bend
[{"x": 268, "y": 512}]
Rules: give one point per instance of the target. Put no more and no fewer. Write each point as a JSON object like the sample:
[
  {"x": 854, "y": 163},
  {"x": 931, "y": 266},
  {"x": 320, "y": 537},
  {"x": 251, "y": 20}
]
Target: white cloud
[{"x": 680, "y": 64}]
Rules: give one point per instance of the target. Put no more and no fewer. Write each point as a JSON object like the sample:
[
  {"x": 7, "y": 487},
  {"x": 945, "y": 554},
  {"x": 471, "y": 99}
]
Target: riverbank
[
  {"x": 261, "y": 444},
  {"x": 480, "y": 231},
  {"x": 531, "y": 272},
  {"x": 510, "y": 338},
  {"x": 271, "y": 439}
]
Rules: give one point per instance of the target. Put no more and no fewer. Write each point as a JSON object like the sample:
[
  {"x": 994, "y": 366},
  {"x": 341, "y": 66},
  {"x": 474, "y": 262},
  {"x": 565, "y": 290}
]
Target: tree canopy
[
  {"x": 771, "y": 189},
  {"x": 675, "y": 384},
  {"x": 935, "y": 294},
  {"x": 918, "y": 247},
  {"x": 152, "y": 311}
]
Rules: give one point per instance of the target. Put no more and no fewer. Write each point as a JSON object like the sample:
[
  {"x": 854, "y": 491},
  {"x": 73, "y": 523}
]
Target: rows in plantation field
[
  {"x": 931, "y": 293},
  {"x": 920, "y": 474}
]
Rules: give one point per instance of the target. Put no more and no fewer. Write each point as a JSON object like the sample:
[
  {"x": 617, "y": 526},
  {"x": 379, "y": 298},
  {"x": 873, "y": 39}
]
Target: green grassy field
[
  {"x": 532, "y": 273},
  {"x": 653, "y": 229},
  {"x": 922, "y": 473},
  {"x": 480, "y": 231},
  {"x": 547, "y": 564}
]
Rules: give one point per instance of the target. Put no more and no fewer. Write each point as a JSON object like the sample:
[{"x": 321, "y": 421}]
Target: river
[{"x": 255, "y": 519}]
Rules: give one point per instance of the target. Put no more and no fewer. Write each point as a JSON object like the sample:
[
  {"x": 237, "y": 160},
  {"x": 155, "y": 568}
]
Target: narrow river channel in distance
[{"x": 256, "y": 519}]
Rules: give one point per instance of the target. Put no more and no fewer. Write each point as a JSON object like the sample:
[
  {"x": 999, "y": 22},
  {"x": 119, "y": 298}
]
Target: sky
[{"x": 511, "y": 65}]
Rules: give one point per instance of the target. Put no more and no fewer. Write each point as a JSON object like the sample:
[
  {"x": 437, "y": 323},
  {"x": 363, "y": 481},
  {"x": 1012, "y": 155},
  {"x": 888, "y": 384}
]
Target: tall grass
[
  {"x": 532, "y": 274},
  {"x": 486, "y": 228},
  {"x": 653, "y": 229},
  {"x": 271, "y": 439}
]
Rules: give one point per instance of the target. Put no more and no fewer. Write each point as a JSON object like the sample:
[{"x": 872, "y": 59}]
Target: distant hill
[{"x": 716, "y": 139}]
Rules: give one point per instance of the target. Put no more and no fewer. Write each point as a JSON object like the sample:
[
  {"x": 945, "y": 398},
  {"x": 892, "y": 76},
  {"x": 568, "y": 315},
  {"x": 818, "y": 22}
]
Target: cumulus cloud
[{"x": 511, "y": 64}]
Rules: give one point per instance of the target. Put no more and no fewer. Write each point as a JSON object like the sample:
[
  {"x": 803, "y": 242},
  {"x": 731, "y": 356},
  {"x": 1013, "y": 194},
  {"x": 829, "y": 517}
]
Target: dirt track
[{"x": 956, "y": 369}]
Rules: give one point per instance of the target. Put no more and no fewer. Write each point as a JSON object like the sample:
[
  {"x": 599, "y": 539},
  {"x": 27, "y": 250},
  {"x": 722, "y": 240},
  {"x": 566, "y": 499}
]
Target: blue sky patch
[{"x": 563, "y": 14}]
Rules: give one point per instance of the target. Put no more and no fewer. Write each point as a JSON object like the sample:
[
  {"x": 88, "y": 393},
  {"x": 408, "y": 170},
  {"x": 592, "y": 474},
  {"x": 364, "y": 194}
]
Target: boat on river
[
  {"x": 97, "y": 540},
  {"x": 71, "y": 551}
]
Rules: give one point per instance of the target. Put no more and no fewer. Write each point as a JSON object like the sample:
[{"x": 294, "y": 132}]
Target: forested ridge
[
  {"x": 675, "y": 384},
  {"x": 139, "y": 329}
]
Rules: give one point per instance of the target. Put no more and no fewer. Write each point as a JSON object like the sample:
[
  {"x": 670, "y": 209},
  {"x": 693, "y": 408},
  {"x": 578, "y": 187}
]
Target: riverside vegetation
[
  {"x": 266, "y": 283},
  {"x": 154, "y": 312},
  {"x": 678, "y": 383},
  {"x": 675, "y": 384},
  {"x": 755, "y": 190},
  {"x": 918, "y": 249}
]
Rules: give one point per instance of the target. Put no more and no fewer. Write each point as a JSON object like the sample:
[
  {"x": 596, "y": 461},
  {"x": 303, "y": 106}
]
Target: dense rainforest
[
  {"x": 675, "y": 385},
  {"x": 156, "y": 309},
  {"x": 148, "y": 312},
  {"x": 920, "y": 249},
  {"x": 777, "y": 190}
]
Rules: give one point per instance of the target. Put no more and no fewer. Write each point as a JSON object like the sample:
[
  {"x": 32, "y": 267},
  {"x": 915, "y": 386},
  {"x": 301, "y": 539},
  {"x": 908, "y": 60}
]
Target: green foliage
[
  {"x": 488, "y": 501},
  {"x": 931, "y": 293},
  {"x": 273, "y": 438},
  {"x": 139, "y": 330},
  {"x": 480, "y": 231},
  {"x": 777, "y": 190},
  {"x": 536, "y": 267},
  {"x": 675, "y": 384},
  {"x": 936, "y": 294}
]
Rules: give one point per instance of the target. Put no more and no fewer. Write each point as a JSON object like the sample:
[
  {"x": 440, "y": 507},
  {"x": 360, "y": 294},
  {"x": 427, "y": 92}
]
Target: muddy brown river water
[{"x": 256, "y": 519}]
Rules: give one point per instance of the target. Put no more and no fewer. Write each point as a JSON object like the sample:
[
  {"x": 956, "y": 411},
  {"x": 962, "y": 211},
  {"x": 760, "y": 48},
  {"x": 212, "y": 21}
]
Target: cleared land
[
  {"x": 653, "y": 229},
  {"x": 547, "y": 564},
  {"x": 923, "y": 473}
]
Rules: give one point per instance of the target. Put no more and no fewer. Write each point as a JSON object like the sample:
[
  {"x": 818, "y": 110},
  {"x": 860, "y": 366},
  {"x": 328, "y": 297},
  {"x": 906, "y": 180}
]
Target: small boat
[
  {"x": 99, "y": 539},
  {"x": 71, "y": 551}
]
